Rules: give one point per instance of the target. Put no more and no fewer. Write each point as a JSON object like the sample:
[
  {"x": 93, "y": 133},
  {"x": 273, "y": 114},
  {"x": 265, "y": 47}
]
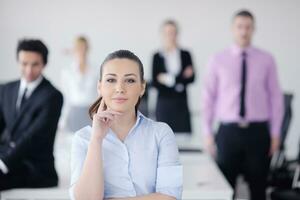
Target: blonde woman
[
  {"x": 172, "y": 72},
  {"x": 79, "y": 82}
]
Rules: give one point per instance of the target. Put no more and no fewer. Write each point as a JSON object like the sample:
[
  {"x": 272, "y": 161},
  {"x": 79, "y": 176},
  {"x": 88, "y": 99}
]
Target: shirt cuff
[
  {"x": 206, "y": 129},
  {"x": 71, "y": 192},
  {"x": 275, "y": 129},
  {"x": 3, "y": 167},
  {"x": 169, "y": 181},
  {"x": 169, "y": 80},
  {"x": 275, "y": 134}
]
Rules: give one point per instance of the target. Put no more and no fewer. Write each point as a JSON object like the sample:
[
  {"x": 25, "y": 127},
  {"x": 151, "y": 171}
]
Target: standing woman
[
  {"x": 79, "y": 82},
  {"x": 124, "y": 155},
  {"x": 172, "y": 71}
]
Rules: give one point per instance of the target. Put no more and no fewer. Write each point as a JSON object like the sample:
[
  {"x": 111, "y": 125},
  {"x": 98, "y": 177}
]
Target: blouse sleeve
[
  {"x": 78, "y": 154},
  {"x": 169, "y": 172}
]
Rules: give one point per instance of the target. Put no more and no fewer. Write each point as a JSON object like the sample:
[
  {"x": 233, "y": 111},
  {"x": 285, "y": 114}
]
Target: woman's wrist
[
  {"x": 99, "y": 133},
  {"x": 96, "y": 139},
  {"x": 95, "y": 145}
]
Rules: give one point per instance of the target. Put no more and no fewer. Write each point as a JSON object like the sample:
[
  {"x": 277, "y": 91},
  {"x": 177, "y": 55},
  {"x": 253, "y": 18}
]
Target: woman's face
[
  {"x": 80, "y": 49},
  {"x": 169, "y": 35},
  {"x": 121, "y": 85}
]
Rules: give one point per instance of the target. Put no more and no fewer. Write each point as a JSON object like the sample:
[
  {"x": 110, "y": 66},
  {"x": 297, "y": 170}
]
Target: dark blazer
[
  {"x": 158, "y": 66},
  {"x": 27, "y": 136},
  {"x": 172, "y": 104}
]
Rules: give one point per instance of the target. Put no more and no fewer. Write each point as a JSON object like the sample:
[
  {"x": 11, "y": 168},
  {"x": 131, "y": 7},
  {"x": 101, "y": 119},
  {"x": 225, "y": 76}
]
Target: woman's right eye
[{"x": 111, "y": 80}]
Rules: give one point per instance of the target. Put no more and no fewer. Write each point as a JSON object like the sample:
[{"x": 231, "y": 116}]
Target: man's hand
[
  {"x": 210, "y": 145},
  {"x": 275, "y": 142}
]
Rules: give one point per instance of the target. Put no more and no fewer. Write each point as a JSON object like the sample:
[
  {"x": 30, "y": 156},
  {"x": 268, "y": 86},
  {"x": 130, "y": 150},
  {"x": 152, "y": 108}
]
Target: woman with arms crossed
[{"x": 124, "y": 155}]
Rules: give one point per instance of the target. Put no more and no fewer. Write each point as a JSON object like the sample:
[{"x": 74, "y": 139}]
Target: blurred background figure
[
  {"x": 79, "y": 81},
  {"x": 172, "y": 71},
  {"x": 242, "y": 92},
  {"x": 29, "y": 111}
]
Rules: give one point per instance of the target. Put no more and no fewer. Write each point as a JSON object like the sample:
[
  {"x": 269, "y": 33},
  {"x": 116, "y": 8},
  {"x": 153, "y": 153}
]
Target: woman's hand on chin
[{"x": 102, "y": 120}]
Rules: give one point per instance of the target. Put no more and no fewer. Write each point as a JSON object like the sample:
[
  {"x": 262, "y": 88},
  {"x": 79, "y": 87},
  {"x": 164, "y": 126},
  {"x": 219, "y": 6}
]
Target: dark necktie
[
  {"x": 243, "y": 85},
  {"x": 23, "y": 100}
]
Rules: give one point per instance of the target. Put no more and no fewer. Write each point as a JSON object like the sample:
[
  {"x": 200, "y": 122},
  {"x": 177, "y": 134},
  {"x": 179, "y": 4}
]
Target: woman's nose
[{"x": 120, "y": 88}]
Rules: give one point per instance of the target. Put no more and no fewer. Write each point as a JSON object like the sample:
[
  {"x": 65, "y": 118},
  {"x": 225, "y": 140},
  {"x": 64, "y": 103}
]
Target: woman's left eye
[{"x": 130, "y": 80}]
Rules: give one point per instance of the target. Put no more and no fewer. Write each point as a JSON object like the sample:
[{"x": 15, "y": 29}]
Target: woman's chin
[{"x": 120, "y": 108}]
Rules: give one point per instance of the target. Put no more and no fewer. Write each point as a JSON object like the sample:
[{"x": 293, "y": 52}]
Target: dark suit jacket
[
  {"x": 27, "y": 136},
  {"x": 172, "y": 105},
  {"x": 158, "y": 66}
]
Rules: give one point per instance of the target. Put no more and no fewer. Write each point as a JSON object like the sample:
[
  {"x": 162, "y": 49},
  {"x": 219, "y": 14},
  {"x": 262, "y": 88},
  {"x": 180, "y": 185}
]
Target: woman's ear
[
  {"x": 99, "y": 88},
  {"x": 143, "y": 88}
]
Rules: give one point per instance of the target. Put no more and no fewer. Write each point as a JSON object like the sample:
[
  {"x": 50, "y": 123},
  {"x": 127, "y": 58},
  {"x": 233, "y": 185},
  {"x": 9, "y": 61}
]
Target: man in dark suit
[{"x": 29, "y": 113}]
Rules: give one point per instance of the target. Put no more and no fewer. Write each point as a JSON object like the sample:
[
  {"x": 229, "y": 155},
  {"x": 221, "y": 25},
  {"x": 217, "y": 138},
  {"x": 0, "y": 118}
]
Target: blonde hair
[{"x": 83, "y": 40}]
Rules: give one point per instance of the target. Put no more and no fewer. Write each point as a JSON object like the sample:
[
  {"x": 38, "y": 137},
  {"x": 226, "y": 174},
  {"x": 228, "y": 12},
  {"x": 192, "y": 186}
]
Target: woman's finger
[
  {"x": 105, "y": 115},
  {"x": 113, "y": 112},
  {"x": 101, "y": 106}
]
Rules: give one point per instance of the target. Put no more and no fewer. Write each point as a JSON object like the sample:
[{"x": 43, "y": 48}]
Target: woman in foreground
[{"x": 124, "y": 155}]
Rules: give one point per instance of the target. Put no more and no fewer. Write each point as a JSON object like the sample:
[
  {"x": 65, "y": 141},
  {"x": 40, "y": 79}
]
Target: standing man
[
  {"x": 243, "y": 94},
  {"x": 29, "y": 112}
]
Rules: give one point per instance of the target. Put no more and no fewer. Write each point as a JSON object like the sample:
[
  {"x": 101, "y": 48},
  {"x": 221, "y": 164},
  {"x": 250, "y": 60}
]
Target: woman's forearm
[
  {"x": 90, "y": 185},
  {"x": 153, "y": 196}
]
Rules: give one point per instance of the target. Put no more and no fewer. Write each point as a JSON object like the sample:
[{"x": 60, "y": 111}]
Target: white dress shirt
[
  {"x": 147, "y": 161},
  {"x": 31, "y": 86},
  {"x": 3, "y": 167},
  {"x": 173, "y": 61},
  {"x": 79, "y": 89},
  {"x": 173, "y": 66}
]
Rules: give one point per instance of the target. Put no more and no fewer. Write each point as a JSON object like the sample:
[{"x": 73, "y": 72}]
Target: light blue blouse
[{"x": 146, "y": 162}]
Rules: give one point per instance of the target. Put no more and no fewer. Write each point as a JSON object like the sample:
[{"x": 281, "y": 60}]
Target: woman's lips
[{"x": 119, "y": 100}]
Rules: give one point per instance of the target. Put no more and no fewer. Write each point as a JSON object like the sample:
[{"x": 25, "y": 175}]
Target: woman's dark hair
[
  {"x": 126, "y": 54},
  {"x": 33, "y": 45}
]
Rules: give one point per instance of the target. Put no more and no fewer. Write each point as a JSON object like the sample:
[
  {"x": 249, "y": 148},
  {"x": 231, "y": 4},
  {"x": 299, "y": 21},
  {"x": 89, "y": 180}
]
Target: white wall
[{"x": 134, "y": 25}]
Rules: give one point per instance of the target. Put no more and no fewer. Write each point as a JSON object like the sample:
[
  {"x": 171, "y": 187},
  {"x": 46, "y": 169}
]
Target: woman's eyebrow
[
  {"x": 130, "y": 75},
  {"x": 126, "y": 75},
  {"x": 110, "y": 74}
]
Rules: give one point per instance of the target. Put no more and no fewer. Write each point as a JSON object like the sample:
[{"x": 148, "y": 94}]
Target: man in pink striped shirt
[{"x": 242, "y": 92}]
